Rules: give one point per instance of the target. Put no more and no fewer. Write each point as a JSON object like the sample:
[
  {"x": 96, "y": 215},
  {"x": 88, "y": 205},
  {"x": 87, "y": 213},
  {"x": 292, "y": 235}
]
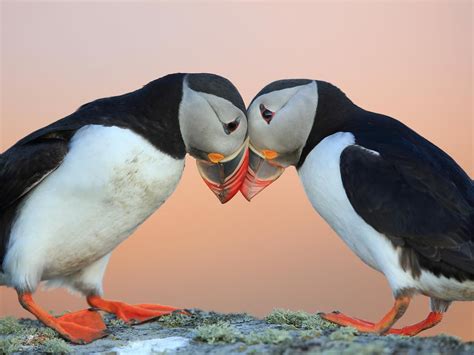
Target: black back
[{"x": 151, "y": 112}]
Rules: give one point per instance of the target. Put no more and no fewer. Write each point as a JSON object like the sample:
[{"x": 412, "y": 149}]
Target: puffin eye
[
  {"x": 267, "y": 115},
  {"x": 231, "y": 126}
]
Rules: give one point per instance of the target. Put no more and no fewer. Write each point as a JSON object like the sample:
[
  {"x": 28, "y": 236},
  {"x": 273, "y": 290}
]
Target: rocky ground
[{"x": 281, "y": 332}]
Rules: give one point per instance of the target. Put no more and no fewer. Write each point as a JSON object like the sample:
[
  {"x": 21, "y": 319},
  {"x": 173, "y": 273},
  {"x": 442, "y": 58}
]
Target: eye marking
[
  {"x": 267, "y": 115},
  {"x": 228, "y": 127},
  {"x": 231, "y": 126}
]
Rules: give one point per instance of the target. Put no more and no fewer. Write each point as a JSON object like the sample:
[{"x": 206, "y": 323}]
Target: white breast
[
  {"x": 110, "y": 181},
  {"x": 321, "y": 178}
]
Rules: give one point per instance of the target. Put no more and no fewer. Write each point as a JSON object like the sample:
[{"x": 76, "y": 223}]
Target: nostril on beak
[{"x": 267, "y": 115}]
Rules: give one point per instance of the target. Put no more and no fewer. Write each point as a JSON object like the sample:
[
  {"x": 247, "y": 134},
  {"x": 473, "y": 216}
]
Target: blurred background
[{"x": 411, "y": 60}]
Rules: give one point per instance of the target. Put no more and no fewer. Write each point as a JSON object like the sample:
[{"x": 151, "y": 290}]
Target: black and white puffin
[
  {"x": 71, "y": 192},
  {"x": 398, "y": 201}
]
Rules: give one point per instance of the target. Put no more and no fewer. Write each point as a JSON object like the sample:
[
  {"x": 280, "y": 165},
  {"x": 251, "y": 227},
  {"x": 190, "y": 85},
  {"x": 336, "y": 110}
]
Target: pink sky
[{"x": 409, "y": 60}]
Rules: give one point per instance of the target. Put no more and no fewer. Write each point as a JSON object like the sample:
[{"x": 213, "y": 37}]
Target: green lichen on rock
[
  {"x": 27, "y": 336},
  {"x": 56, "y": 346},
  {"x": 176, "y": 320},
  {"x": 269, "y": 336},
  {"x": 202, "y": 318},
  {"x": 221, "y": 332},
  {"x": 282, "y": 332},
  {"x": 344, "y": 334},
  {"x": 298, "y": 320},
  {"x": 118, "y": 323},
  {"x": 195, "y": 318},
  {"x": 10, "y": 325},
  {"x": 43, "y": 332},
  {"x": 309, "y": 334},
  {"x": 10, "y": 345}
]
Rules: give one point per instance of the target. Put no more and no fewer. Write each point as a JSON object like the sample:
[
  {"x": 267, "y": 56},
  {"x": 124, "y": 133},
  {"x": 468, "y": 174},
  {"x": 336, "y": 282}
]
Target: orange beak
[
  {"x": 261, "y": 172},
  {"x": 224, "y": 176}
]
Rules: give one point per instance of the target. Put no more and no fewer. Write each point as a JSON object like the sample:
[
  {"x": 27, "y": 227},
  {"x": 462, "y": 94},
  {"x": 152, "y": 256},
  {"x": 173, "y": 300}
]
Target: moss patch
[
  {"x": 56, "y": 346},
  {"x": 117, "y": 323},
  {"x": 299, "y": 320},
  {"x": 177, "y": 320},
  {"x": 221, "y": 332},
  {"x": 25, "y": 336},
  {"x": 269, "y": 336},
  {"x": 10, "y": 345},
  {"x": 10, "y": 325},
  {"x": 198, "y": 318}
]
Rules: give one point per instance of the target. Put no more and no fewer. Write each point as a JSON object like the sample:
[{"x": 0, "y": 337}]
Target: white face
[
  {"x": 281, "y": 121},
  {"x": 210, "y": 124}
]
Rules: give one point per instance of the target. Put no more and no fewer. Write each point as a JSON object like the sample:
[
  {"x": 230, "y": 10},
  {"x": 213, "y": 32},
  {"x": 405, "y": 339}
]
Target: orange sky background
[{"x": 410, "y": 60}]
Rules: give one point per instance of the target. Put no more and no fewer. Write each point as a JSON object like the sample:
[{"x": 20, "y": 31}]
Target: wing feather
[
  {"x": 406, "y": 197},
  {"x": 22, "y": 168}
]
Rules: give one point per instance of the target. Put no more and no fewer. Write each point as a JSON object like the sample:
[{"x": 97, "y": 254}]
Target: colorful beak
[
  {"x": 224, "y": 176},
  {"x": 261, "y": 172}
]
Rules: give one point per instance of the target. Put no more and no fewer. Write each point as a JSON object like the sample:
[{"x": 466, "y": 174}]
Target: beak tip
[
  {"x": 223, "y": 196},
  {"x": 223, "y": 201},
  {"x": 246, "y": 192}
]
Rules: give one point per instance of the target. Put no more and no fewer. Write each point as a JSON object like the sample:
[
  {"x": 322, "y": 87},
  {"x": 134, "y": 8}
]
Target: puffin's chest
[
  {"x": 110, "y": 181},
  {"x": 321, "y": 178},
  {"x": 117, "y": 168}
]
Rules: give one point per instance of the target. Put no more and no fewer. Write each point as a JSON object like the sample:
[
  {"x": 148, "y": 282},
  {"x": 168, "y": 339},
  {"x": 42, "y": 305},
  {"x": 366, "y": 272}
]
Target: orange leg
[
  {"x": 132, "y": 314},
  {"x": 80, "y": 327},
  {"x": 397, "y": 311}
]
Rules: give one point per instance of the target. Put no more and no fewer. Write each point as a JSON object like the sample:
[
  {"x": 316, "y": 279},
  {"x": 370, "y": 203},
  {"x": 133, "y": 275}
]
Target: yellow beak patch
[
  {"x": 215, "y": 157},
  {"x": 269, "y": 154}
]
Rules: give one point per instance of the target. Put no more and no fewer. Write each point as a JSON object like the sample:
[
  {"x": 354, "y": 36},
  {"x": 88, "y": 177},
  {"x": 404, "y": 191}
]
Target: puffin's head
[
  {"x": 214, "y": 130},
  {"x": 280, "y": 120}
]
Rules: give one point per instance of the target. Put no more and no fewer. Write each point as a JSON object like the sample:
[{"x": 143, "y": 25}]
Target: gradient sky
[{"x": 410, "y": 60}]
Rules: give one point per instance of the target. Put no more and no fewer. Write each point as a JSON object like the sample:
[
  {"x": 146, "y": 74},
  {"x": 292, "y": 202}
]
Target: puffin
[
  {"x": 400, "y": 203},
  {"x": 72, "y": 191}
]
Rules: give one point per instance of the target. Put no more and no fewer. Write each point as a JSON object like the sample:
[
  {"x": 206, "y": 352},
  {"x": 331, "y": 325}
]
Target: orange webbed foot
[
  {"x": 381, "y": 327},
  {"x": 80, "y": 327},
  {"x": 411, "y": 330},
  {"x": 133, "y": 314},
  {"x": 384, "y": 326}
]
